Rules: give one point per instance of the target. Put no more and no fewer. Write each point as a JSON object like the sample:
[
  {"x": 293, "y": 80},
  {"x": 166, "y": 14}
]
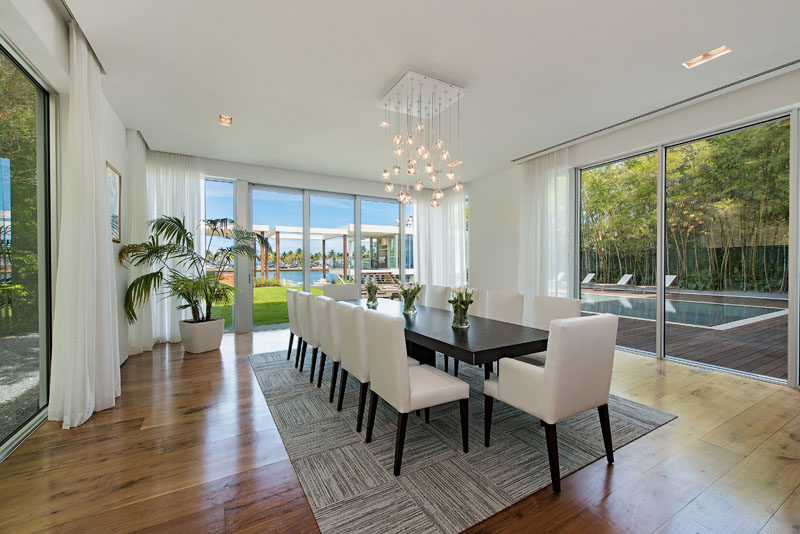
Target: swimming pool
[{"x": 703, "y": 314}]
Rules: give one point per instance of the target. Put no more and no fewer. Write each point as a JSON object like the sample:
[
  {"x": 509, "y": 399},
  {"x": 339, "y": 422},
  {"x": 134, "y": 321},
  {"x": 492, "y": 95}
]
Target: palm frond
[
  {"x": 172, "y": 229},
  {"x": 139, "y": 292}
]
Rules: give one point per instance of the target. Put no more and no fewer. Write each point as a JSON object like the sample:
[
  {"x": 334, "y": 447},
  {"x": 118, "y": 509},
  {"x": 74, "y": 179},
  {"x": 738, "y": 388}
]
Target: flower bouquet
[
  {"x": 409, "y": 293},
  {"x": 460, "y": 299},
  {"x": 372, "y": 292}
]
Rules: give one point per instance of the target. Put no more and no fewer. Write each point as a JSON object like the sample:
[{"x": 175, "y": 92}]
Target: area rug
[{"x": 350, "y": 484}]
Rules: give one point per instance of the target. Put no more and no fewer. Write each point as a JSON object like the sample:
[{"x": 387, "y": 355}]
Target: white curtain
[
  {"x": 546, "y": 231},
  {"x": 84, "y": 374},
  {"x": 140, "y": 333},
  {"x": 175, "y": 188},
  {"x": 440, "y": 239}
]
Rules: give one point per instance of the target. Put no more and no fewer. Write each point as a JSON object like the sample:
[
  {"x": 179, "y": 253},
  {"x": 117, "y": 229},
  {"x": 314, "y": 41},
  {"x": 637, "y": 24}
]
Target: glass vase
[
  {"x": 409, "y": 307},
  {"x": 460, "y": 320},
  {"x": 372, "y": 302}
]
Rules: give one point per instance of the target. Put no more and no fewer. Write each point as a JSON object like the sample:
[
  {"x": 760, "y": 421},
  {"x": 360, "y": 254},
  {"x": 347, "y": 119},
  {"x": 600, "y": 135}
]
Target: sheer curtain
[
  {"x": 85, "y": 362},
  {"x": 440, "y": 238},
  {"x": 140, "y": 333},
  {"x": 174, "y": 187},
  {"x": 546, "y": 213}
]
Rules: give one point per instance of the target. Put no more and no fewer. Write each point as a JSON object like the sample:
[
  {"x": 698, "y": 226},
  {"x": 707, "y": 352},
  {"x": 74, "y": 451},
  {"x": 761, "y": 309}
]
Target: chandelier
[{"x": 420, "y": 122}]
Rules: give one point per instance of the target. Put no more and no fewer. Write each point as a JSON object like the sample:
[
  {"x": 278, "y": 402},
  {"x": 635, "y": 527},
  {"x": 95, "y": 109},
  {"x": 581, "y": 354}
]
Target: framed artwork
[{"x": 114, "y": 185}]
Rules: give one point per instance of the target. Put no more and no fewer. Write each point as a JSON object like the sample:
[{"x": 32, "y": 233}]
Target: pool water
[{"x": 708, "y": 314}]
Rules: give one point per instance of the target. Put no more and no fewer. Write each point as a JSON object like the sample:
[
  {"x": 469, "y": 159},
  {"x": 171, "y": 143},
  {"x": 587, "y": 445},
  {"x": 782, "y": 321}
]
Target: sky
[{"x": 286, "y": 209}]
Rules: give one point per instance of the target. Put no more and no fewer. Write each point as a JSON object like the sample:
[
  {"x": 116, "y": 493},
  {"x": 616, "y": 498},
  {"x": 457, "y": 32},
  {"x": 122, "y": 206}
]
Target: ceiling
[{"x": 303, "y": 83}]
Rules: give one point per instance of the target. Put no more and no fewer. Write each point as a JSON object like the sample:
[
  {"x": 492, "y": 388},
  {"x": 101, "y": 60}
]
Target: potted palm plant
[{"x": 177, "y": 269}]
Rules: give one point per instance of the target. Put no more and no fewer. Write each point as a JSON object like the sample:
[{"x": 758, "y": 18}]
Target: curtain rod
[{"x": 67, "y": 14}]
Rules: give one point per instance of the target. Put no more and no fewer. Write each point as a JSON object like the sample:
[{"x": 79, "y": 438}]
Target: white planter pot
[{"x": 202, "y": 337}]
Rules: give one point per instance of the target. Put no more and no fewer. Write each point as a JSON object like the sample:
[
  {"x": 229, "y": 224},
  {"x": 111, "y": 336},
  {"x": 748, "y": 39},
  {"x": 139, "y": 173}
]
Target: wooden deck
[{"x": 758, "y": 347}]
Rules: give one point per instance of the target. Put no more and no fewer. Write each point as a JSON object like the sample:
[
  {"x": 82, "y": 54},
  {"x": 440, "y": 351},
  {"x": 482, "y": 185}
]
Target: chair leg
[
  {"x": 313, "y": 363},
  {"x": 291, "y": 340},
  {"x": 605, "y": 425},
  {"x": 417, "y": 412},
  {"x": 446, "y": 364},
  {"x": 321, "y": 369},
  {"x": 455, "y": 367},
  {"x": 334, "y": 376},
  {"x": 341, "y": 390},
  {"x": 402, "y": 421},
  {"x": 487, "y": 371},
  {"x": 552, "y": 454},
  {"x": 427, "y": 415},
  {"x": 362, "y": 400},
  {"x": 464, "y": 408},
  {"x": 303, "y": 355},
  {"x": 297, "y": 354},
  {"x": 373, "y": 405},
  {"x": 488, "y": 405}
]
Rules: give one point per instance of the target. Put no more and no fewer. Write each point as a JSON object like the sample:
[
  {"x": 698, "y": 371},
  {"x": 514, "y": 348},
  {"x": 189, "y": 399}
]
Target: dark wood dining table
[{"x": 484, "y": 342}]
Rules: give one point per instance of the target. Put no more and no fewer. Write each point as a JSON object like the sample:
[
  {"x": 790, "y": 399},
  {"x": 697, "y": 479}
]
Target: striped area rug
[{"x": 350, "y": 484}]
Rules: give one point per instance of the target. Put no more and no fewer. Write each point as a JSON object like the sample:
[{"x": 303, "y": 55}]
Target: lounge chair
[
  {"x": 586, "y": 282},
  {"x": 619, "y": 286},
  {"x": 668, "y": 279}
]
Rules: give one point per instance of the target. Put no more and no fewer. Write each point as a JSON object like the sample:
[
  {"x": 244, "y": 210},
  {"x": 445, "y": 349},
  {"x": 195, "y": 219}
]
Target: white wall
[
  {"x": 116, "y": 153},
  {"x": 494, "y": 215}
]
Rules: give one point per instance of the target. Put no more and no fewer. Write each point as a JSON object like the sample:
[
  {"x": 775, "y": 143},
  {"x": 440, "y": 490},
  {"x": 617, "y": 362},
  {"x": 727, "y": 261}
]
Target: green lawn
[{"x": 269, "y": 307}]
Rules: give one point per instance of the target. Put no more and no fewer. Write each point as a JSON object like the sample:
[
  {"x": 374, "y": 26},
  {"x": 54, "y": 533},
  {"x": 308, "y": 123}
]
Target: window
[
  {"x": 332, "y": 253},
  {"x": 219, "y": 197},
  {"x": 24, "y": 249},
  {"x": 380, "y": 233}
]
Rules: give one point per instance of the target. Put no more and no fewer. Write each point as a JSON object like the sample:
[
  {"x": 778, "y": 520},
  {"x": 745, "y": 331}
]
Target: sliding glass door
[
  {"x": 24, "y": 252},
  {"x": 618, "y": 246},
  {"x": 380, "y": 242},
  {"x": 332, "y": 232},
  {"x": 219, "y": 200},
  {"x": 726, "y": 250},
  {"x": 277, "y": 216}
]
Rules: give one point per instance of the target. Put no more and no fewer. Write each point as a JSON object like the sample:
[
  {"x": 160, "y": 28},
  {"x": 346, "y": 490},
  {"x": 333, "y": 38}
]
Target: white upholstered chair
[
  {"x": 548, "y": 309},
  {"x": 421, "y": 295},
  {"x": 349, "y": 319},
  {"x": 342, "y": 291},
  {"x": 504, "y": 306},
  {"x": 294, "y": 327},
  {"x": 328, "y": 333},
  {"x": 576, "y": 377},
  {"x": 437, "y": 297},
  {"x": 304, "y": 306},
  {"x": 478, "y": 306},
  {"x": 405, "y": 388}
]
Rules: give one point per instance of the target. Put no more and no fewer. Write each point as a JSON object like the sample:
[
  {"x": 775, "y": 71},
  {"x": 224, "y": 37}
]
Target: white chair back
[
  {"x": 580, "y": 358},
  {"x": 342, "y": 291},
  {"x": 421, "y": 294},
  {"x": 294, "y": 328},
  {"x": 353, "y": 343},
  {"x": 547, "y": 309},
  {"x": 504, "y": 306},
  {"x": 437, "y": 297},
  {"x": 478, "y": 306},
  {"x": 305, "y": 312},
  {"x": 326, "y": 327},
  {"x": 388, "y": 364}
]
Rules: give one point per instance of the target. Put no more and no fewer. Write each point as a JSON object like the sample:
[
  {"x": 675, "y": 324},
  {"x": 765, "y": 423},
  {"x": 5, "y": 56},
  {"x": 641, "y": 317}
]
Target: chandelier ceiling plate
[{"x": 442, "y": 94}]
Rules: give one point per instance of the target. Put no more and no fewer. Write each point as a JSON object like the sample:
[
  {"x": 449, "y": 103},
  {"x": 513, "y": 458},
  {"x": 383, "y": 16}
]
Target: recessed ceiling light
[
  {"x": 384, "y": 124},
  {"x": 225, "y": 120},
  {"x": 708, "y": 56}
]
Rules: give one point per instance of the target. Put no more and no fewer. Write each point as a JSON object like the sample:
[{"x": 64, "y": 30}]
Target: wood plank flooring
[{"x": 191, "y": 446}]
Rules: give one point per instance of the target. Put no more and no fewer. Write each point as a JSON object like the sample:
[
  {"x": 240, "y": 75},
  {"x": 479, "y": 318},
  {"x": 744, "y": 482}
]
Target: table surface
[{"x": 485, "y": 340}]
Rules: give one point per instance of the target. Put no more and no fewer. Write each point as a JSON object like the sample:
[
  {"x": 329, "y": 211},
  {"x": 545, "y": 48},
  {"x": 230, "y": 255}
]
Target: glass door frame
[{"x": 793, "y": 348}]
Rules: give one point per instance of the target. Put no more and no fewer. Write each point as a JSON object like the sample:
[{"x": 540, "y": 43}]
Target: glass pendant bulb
[
  {"x": 420, "y": 127},
  {"x": 410, "y": 140},
  {"x": 458, "y": 187},
  {"x": 399, "y": 150},
  {"x": 429, "y": 168},
  {"x": 438, "y": 194},
  {"x": 425, "y": 154},
  {"x": 412, "y": 171},
  {"x": 412, "y": 162},
  {"x": 385, "y": 174},
  {"x": 418, "y": 185},
  {"x": 421, "y": 150},
  {"x": 434, "y": 203},
  {"x": 445, "y": 154},
  {"x": 451, "y": 175},
  {"x": 439, "y": 143},
  {"x": 396, "y": 169},
  {"x": 388, "y": 187},
  {"x": 398, "y": 139},
  {"x": 434, "y": 177}
]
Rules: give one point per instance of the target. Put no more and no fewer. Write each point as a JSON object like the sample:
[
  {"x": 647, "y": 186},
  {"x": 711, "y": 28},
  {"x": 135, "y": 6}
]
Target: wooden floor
[{"x": 191, "y": 446}]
